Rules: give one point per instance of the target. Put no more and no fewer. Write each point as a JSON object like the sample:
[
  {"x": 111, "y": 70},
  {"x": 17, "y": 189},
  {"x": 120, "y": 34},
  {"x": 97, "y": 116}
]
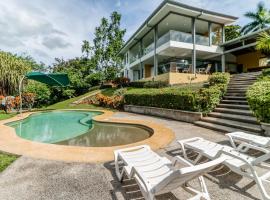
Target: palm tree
[
  {"x": 261, "y": 19},
  {"x": 263, "y": 43}
]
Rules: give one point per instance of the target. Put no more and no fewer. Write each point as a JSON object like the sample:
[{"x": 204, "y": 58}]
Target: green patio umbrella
[{"x": 52, "y": 79}]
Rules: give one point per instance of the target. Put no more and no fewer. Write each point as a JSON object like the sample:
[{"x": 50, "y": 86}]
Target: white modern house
[{"x": 178, "y": 38}]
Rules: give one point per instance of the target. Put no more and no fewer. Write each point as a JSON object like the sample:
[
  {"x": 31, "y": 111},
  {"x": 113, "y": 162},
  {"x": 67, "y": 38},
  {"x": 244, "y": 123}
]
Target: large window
[
  {"x": 176, "y": 28},
  {"x": 216, "y": 34},
  {"x": 135, "y": 52},
  {"x": 148, "y": 43},
  {"x": 202, "y": 32}
]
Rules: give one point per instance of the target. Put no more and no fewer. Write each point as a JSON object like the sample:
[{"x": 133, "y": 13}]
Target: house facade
[{"x": 178, "y": 38}]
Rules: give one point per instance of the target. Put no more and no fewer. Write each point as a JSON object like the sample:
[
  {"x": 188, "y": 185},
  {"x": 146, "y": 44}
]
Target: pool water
[{"x": 76, "y": 128}]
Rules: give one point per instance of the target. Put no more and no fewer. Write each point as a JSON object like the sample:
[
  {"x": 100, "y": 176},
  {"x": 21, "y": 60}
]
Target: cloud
[
  {"x": 56, "y": 28},
  {"x": 55, "y": 42}
]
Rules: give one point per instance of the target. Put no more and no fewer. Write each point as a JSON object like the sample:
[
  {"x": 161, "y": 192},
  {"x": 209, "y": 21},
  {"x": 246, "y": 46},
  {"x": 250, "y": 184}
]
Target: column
[
  {"x": 210, "y": 33},
  {"x": 223, "y": 62},
  {"x": 194, "y": 46},
  {"x": 141, "y": 64},
  {"x": 155, "y": 52},
  {"x": 223, "y": 34}
]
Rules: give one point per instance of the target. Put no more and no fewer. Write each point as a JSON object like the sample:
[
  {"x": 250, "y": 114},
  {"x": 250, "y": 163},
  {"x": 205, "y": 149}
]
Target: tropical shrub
[
  {"x": 171, "y": 98},
  {"x": 219, "y": 78},
  {"x": 203, "y": 100},
  {"x": 258, "y": 96},
  {"x": 28, "y": 99},
  {"x": 94, "y": 79},
  {"x": 121, "y": 81},
  {"x": 137, "y": 84},
  {"x": 41, "y": 91},
  {"x": 110, "y": 102}
]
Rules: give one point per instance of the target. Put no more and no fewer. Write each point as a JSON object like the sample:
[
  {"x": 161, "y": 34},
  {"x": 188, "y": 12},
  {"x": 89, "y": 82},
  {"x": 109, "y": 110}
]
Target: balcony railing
[{"x": 173, "y": 35}]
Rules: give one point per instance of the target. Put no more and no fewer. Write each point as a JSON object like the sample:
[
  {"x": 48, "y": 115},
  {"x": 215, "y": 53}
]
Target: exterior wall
[
  {"x": 147, "y": 71},
  {"x": 249, "y": 60},
  {"x": 183, "y": 78},
  {"x": 179, "y": 78}
]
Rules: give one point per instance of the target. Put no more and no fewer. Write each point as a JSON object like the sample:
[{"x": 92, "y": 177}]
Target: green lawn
[
  {"x": 3, "y": 115},
  {"x": 6, "y": 160},
  {"x": 67, "y": 103}
]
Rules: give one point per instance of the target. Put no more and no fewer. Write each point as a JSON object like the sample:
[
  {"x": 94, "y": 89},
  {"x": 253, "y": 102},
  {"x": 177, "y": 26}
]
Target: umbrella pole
[{"x": 20, "y": 94}]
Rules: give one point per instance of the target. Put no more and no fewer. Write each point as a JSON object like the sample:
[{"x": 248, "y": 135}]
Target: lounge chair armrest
[
  {"x": 182, "y": 161},
  {"x": 251, "y": 146},
  {"x": 234, "y": 154}
]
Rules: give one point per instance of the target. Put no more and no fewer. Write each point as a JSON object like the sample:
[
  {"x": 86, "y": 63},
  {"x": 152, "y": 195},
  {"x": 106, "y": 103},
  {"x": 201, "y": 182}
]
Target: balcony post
[
  {"x": 223, "y": 62},
  {"x": 210, "y": 33},
  {"x": 194, "y": 45},
  {"x": 141, "y": 64},
  {"x": 155, "y": 51},
  {"x": 223, "y": 34}
]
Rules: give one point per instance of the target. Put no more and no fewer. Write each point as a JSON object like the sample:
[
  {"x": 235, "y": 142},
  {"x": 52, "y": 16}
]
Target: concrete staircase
[{"x": 233, "y": 113}]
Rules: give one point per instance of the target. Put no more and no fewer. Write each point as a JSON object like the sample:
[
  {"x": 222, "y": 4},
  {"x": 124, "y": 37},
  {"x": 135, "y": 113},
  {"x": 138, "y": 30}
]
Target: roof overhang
[{"x": 170, "y": 6}]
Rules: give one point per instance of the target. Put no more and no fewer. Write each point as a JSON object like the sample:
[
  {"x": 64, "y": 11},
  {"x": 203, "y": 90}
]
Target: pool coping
[{"x": 11, "y": 143}]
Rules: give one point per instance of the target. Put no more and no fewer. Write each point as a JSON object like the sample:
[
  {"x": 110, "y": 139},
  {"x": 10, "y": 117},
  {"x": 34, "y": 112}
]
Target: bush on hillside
[
  {"x": 258, "y": 96},
  {"x": 219, "y": 78},
  {"x": 171, "y": 98},
  {"x": 203, "y": 100}
]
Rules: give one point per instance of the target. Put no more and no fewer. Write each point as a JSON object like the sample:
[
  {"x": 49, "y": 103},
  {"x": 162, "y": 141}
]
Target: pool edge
[{"x": 11, "y": 143}]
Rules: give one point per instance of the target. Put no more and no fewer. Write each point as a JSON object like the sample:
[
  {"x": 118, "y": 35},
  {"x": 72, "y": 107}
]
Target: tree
[
  {"x": 86, "y": 48},
  {"x": 263, "y": 43},
  {"x": 12, "y": 68},
  {"x": 260, "y": 19},
  {"x": 232, "y": 32},
  {"x": 108, "y": 40}
]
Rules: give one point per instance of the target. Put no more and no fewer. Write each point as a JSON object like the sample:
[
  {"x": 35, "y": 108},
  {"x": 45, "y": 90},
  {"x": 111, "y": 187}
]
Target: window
[
  {"x": 202, "y": 32},
  {"x": 216, "y": 34}
]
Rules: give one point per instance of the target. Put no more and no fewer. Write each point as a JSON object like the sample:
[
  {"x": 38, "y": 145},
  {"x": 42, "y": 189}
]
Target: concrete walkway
[{"x": 33, "y": 179}]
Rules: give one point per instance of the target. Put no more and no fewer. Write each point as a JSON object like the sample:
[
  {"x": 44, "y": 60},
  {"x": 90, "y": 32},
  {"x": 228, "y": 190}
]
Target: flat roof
[{"x": 168, "y": 6}]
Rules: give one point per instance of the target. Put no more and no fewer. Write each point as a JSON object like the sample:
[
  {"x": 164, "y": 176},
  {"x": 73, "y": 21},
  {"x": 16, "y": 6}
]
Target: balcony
[{"x": 172, "y": 35}]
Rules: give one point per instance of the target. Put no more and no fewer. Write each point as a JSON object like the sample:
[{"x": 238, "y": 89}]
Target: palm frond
[{"x": 263, "y": 42}]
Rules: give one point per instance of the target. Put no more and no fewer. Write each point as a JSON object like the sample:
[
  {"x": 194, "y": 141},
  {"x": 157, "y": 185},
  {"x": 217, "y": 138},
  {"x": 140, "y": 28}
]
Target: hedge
[
  {"x": 204, "y": 100},
  {"x": 148, "y": 84},
  {"x": 171, "y": 98},
  {"x": 258, "y": 96}
]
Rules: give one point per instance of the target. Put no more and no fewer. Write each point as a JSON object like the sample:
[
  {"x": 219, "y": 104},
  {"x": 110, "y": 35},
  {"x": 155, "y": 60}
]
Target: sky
[{"x": 56, "y": 28}]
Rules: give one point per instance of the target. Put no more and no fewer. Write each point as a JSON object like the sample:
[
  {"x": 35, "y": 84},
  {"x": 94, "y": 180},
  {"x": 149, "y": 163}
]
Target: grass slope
[
  {"x": 6, "y": 160},
  {"x": 67, "y": 103},
  {"x": 3, "y": 115}
]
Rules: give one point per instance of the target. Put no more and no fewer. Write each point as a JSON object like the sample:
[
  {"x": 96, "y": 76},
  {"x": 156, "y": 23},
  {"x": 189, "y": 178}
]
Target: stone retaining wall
[{"x": 180, "y": 115}]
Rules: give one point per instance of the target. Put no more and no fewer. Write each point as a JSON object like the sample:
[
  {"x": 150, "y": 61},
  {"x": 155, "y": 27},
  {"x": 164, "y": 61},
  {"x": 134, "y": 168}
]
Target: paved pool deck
[{"x": 40, "y": 179}]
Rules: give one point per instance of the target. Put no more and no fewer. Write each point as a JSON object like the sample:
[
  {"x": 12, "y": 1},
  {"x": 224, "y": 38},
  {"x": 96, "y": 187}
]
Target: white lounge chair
[
  {"x": 252, "y": 140},
  {"x": 239, "y": 163},
  {"x": 160, "y": 175},
  {"x": 139, "y": 156}
]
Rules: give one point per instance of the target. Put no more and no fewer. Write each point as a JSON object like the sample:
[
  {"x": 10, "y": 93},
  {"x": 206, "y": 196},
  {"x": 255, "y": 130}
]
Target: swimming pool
[{"x": 76, "y": 128}]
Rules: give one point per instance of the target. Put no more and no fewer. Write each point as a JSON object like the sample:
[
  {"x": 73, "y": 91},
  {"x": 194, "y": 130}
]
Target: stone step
[
  {"x": 227, "y": 97},
  {"x": 234, "y": 102},
  {"x": 238, "y": 88},
  {"x": 241, "y": 118},
  {"x": 236, "y": 91},
  {"x": 236, "y": 94},
  {"x": 241, "y": 82},
  {"x": 220, "y": 128},
  {"x": 234, "y": 124},
  {"x": 233, "y": 106},
  {"x": 234, "y": 111}
]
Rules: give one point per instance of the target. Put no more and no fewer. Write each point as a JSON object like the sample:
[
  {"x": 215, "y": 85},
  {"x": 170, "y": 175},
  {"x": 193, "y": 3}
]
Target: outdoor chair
[
  {"x": 239, "y": 163},
  {"x": 237, "y": 139},
  {"x": 205, "y": 70},
  {"x": 187, "y": 70},
  {"x": 157, "y": 175}
]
